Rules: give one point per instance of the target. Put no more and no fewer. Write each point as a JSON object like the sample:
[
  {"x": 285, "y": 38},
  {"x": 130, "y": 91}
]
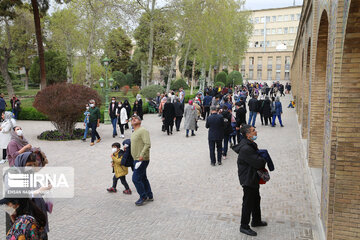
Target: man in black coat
[
  {"x": 253, "y": 109},
  {"x": 112, "y": 113},
  {"x": 249, "y": 161},
  {"x": 240, "y": 118},
  {"x": 215, "y": 124},
  {"x": 179, "y": 112}
]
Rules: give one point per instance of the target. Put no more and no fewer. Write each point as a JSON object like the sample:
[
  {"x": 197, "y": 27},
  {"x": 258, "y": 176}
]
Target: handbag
[{"x": 264, "y": 175}]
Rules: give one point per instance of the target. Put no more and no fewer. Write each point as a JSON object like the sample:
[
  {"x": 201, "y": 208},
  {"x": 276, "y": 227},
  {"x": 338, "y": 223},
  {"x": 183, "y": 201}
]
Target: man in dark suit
[
  {"x": 112, "y": 113},
  {"x": 215, "y": 124}
]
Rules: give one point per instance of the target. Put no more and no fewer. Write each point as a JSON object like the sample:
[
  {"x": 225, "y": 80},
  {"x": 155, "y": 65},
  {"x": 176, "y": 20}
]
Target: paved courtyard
[{"x": 192, "y": 199}]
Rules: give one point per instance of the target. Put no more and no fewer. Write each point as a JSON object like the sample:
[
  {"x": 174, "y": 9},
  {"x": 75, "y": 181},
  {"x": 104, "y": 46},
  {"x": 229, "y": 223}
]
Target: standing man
[
  {"x": 215, "y": 124},
  {"x": 253, "y": 108},
  {"x": 182, "y": 96},
  {"x": 140, "y": 150},
  {"x": 207, "y": 102},
  {"x": 112, "y": 113},
  {"x": 94, "y": 122},
  {"x": 2, "y": 103},
  {"x": 15, "y": 106},
  {"x": 249, "y": 161}
]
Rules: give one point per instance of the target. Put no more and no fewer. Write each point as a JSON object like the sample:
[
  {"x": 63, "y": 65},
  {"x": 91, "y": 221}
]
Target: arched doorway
[
  {"x": 318, "y": 95},
  {"x": 305, "y": 107}
]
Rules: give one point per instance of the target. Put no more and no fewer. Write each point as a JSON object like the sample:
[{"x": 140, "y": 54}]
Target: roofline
[{"x": 270, "y": 9}]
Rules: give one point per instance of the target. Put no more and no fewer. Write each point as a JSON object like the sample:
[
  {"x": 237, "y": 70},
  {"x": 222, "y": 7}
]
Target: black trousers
[
  {"x": 250, "y": 206},
  {"x": 123, "y": 182},
  {"x": 262, "y": 118},
  {"x": 218, "y": 144},
  {"x": 178, "y": 122},
  {"x": 122, "y": 128},
  {"x": 206, "y": 111},
  {"x": 267, "y": 119},
  {"x": 4, "y": 153},
  {"x": 94, "y": 133}
]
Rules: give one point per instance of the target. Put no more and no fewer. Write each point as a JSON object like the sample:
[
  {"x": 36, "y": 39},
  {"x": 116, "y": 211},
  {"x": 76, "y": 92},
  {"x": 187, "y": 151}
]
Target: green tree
[
  {"x": 118, "y": 47},
  {"x": 119, "y": 78},
  {"x": 55, "y": 66},
  {"x": 234, "y": 79},
  {"x": 221, "y": 77},
  {"x": 129, "y": 79}
]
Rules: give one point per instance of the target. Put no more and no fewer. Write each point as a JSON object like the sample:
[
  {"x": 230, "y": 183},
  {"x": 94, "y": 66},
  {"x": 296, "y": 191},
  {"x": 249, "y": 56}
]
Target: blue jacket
[
  {"x": 278, "y": 108},
  {"x": 215, "y": 124},
  {"x": 265, "y": 154},
  {"x": 127, "y": 157},
  {"x": 207, "y": 101},
  {"x": 2, "y": 104}
]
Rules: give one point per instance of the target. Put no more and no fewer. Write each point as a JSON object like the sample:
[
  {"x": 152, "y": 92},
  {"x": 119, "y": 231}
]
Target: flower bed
[{"x": 54, "y": 135}]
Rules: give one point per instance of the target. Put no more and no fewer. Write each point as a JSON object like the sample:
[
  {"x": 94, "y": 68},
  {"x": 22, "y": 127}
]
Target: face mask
[
  {"x": 114, "y": 150},
  {"x": 28, "y": 169},
  {"x": 254, "y": 138},
  {"x": 19, "y": 132},
  {"x": 120, "y": 105},
  {"x": 92, "y": 105},
  {"x": 113, "y": 101},
  {"x": 9, "y": 210},
  {"x": 87, "y": 108}
]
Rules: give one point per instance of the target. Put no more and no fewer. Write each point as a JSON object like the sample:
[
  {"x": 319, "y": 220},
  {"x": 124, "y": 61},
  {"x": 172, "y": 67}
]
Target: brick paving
[{"x": 192, "y": 199}]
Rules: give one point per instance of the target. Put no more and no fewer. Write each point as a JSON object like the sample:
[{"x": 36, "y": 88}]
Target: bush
[
  {"x": 234, "y": 78},
  {"x": 55, "y": 135},
  {"x": 64, "y": 103},
  {"x": 55, "y": 68},
  {"x": 119, "y": 79},
  {"x": 125, "y": 89},
  {"x": 151, "y": 91},
  {"x": 180, "y": 83},
  {"x": 188, "y": 97},
  {"x": 129, "y": 79},
  {"x": 135, "y": 90},
  {"x": 29, "y": 113},
  {"x": 221, "y": 84},
  {"x": 221, "y": 77}
]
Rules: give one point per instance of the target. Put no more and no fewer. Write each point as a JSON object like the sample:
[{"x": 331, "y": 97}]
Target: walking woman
[
  {"x": 179, "y": 112},
  {"x": 191, "y": 117},
  {"x": 278, "y": 112},
  {"x": 140, "y": 104},
  {"x": 5, "y": 129},
  {"x": 169, "y": 116},
  {"x": 127, "y": 106},
  {"x": 122, "y": 118},
  {"x": 267, "y": 111},
  {"x": 137, "y": 109}
]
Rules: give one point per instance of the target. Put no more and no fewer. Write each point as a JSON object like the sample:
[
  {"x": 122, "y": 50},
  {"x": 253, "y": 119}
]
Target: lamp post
[{"x": 106, "y": 86}]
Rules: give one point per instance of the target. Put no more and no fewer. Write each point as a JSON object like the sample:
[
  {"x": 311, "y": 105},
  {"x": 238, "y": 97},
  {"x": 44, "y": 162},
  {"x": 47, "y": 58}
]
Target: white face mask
[
  {"x": 113, "y": 101},
  {"x": 87, "y": 108},
  {"x": 114, "y": 150},
  {"x": 120, "y": 105},
  {"x": 19, "y": 132},
  {"x": 9, "y": 210},
  {"x": 92, "y": 105}
]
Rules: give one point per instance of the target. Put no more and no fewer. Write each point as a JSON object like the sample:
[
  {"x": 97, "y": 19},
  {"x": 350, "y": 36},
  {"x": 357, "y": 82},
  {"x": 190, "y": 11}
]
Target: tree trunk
[
  {"x": 69, "y": 63},
  {"x": 6, "y": 76},
  {"x": 151, "y": 45},
  {"x": 185, "y": 60},
  {"x": 193, "y": 77},
  {"x": 4, "y": 61},
  {"x": 173, "y": 63},
  {"x": 89, "y": 50},
  {"x": 202, "y": 78},
  {"x": 39, "y": 43},
  {"x": 26, "y": 78},
  {"x": 209, "y": 77}
]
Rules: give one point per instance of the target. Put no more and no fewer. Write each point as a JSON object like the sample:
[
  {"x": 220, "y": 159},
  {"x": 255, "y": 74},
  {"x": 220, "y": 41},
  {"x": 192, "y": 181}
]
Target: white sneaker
[
  {"x": 122, "y": 136},
  {"x": 3, "y": 161}
]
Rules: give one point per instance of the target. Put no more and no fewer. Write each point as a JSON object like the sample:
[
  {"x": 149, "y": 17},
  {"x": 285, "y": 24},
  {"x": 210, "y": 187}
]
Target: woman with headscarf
[
  {"x": 137, "y": 109},
  {"x": 127, "y": 106},
  {"x": 267, "y": 111},
  {"x": 122, "y": 118},
  {"x": 6, "y": 128},
  {"x": 169, "y": 116},
  {"x": 191, "y": 116},
  {"x": 17, "y": 145},
  {"x": 140, "y": 104},
  {"x": 161, "y": 106},
  {"x": 278, "y": 112}
]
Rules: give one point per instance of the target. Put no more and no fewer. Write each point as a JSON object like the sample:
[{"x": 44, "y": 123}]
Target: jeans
[
  {"x": 226, "y": 143},
  {"x": 252, "y": 116},
  {"x": 187, "y": 132},
  {"x": 123, "y": 182},
  {"x": 86, "y": 130},
  {"x": 274, "y": 117},
  {"x": 250, "y": 206},
  {"x": 140, "y": 180},
  {"x": 121, "y": 126},
  {"x": 178, "y": 122},
  {"x": 113, "y": 122},
  {"x": 15, "y": 112},
  {"x": 212, "y": 150},
  {"x": 94, "y": 133}
]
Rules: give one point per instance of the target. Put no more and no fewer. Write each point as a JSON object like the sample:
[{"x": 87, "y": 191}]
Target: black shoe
[
  {"x": 219, "y": 163},
  {"x": 193, "y": 134},
  {"x": 249, "y": 231},
  {"x": 84, "y": 139},
  {"x": 171, "y": 133},
  {"x": 282, "y": 125},
  {"x": 187, "y": 135},
  {"x": 150, "y": 199},
  {"x": 259, "y": 224},
  {"x": 213, "y": 164},
  {"x": 113, "y": 136}
]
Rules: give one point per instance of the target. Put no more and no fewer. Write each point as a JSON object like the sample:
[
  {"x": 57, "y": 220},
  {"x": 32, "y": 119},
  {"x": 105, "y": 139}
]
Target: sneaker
[
  {"x": 187, "y": 135},
  {"x": 112, "y": 190},
  {"x": 248, "y": 231},
  {"x": 113, "y": 136},
  {"x": 150, "y": 199},
  {"x": 3, "y": 161},
  {"x": 219, "y": 163},
  {"x": 83, "y": 139},
  {"x": 259, "y": 224},
  {"x": 193, "y": 134},
  {"x": 140, "y": 201},
  {"x": 128, "y": 191},
  {"x": 97, "y": 141},
  {"x": 213, "y": 164},
  {"x": 122, "y": 136},
  {"x": 92, "y": 144}
]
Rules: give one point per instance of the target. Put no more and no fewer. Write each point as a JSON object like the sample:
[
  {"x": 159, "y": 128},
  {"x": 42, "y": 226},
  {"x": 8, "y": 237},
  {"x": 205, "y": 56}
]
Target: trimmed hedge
[
  {"x": 151, "y": 91},
  {"x": 54, "y": 135},
  {"x": 221, "y": 77},
  {"x": 175, "y": 85}
]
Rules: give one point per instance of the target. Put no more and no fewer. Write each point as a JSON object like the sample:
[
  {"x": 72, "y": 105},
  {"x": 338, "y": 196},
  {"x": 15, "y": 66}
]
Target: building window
[
  {"x": 267, "y": 43},
  {"x": 273, "y": 43},
  {"x": 277, "y": 76},
  {"x": 259, "y": 59},
  {"x": 287, "y": 75},
  {"x": 278, "y": 42},
  {"x": 267, "y": 19},
  {"x": 298, "y": 16},
  {"x": 257, "y": 44},
  {"x": 262, "y": 32},
  {"x": 274, "y": 18},
  {"x": 262, "y": 19},
  {"x": 256, "y": 32},
  {"x": 251, "y": 60},
  {"x": 243, "y": 73},
  {"x": 286, "y": 18},
  {"x": 261, "y": 43},
  {"x": 251, "y": 74},
  {"x": 280, "y": 18},
  {"x": 285, "y": 30},
  {"x": 291, "y": 42},
  {"x": 273, "y": 31},
  {"x": 243, "y": 62},
  {"x": 287, "y": 60},
  {"x": 268, "y": 31},
  {"x": 292, "y": 17},
  {"x": 269, "y": 74},
  {"x": 259, "y": 74},
  {"x": 257, "y": 20},
  {"x": 278, "y": 60},
  {"x": 291, "y": 30},
  {"x": 296, "y": 28},
  {"x": 279, "y": 31},
  {"x": 270, "y": 61},
  {"x": 251, "y": 44}
]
